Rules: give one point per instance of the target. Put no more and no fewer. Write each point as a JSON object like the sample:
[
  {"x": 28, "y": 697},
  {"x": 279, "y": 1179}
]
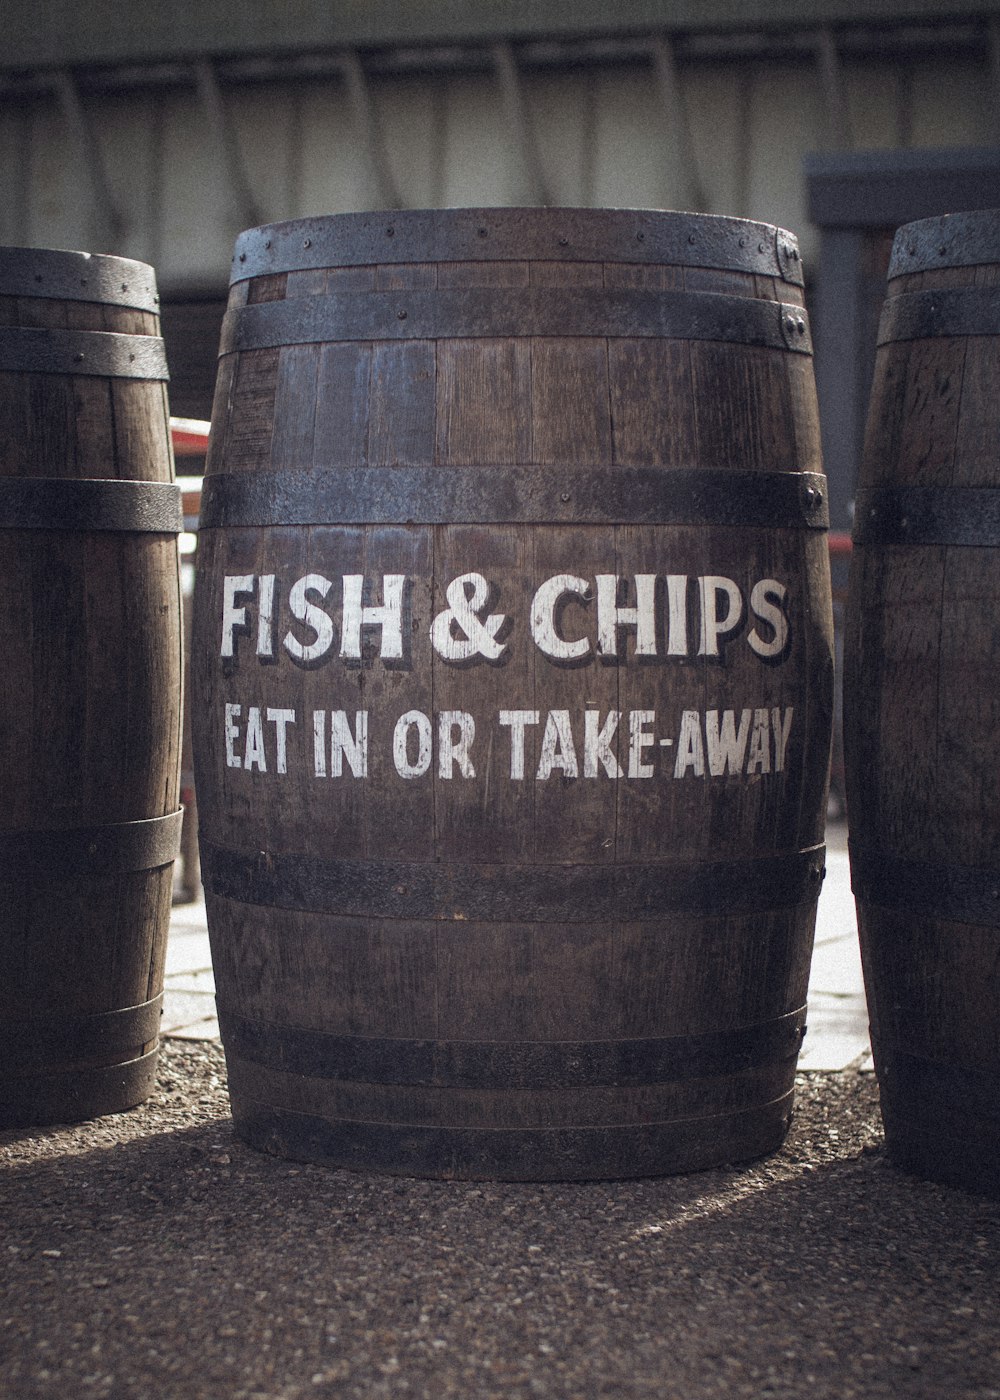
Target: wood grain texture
[
  {"x": 90, "y": 690},
  {"x": 922, "y": 720},
  {"x": 642, "y": 715}
]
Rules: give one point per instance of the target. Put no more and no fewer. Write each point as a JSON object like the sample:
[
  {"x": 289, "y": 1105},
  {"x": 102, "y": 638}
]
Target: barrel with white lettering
[
  {"x": 513, "y": 677},
  {"x": 922, "y": 714},
  {"x": 90, "y": 684}
]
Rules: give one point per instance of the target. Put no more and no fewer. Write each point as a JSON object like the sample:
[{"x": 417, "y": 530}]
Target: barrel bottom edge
[
  {"x": 562, "y": 1154},
  {"x": 48, "y": 1099},
  {"x": 970, "y": 1165}
]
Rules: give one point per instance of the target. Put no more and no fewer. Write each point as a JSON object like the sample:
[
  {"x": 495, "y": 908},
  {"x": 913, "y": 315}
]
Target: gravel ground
[{"x": 151, "y": 1255}]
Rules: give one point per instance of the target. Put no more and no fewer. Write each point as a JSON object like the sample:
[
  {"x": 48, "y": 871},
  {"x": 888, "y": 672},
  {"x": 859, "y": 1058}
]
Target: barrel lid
[
  {"x": 949, "y": 240},
  {"x": 498, "y": 235},
  {"x": 63, "y": 275}
]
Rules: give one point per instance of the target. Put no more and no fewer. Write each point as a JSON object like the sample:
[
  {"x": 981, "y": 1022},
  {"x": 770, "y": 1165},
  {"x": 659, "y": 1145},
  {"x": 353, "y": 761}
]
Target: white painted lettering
[
  {"x": 281, "y": 719},
  {"x": 462, "y": 614},
  {"x": 690, "y": 748},
  {"x": 319, "y": 743},
  {"x": 677, "y": 618},
  {"x": 388, "y": 616},
  {"x": 638, "y": 740},
  {"x": 517, "y": 721},
  {"x": 233, "y": 759},
  {"x": 543, "y": 617},
  {"x": 766, "y": 601},
  {"x": 233, "y": 616},
  {"x": 558, "y": 750},
  {"x": 344, "y": 744},
  {"x": 418, "y": 721},
  {"x": 265, "y": 617},
  {"x": 452, "y": 750},
  {"x": 597, "y": 744},
  {"x": 611, "y": 616},
  {"x": 782, "y": 728},
  {"x": 760, "y": 743},
  {"x": 726, "y": 745},
  {"x": 712, "y": 588},
  {"x": 314, "y": 617},
  {"x": 253, "y": 755}
]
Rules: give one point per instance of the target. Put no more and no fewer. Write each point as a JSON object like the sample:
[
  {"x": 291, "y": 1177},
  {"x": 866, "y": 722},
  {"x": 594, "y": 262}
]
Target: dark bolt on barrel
[
  {"x": 512, "y": 665},
  {"x": 90, "y": 684},
  {"x": 922, "y": 704}
]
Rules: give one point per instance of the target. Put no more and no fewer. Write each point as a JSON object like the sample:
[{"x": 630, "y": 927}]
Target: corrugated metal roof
[{"x": 44, "y": 33}]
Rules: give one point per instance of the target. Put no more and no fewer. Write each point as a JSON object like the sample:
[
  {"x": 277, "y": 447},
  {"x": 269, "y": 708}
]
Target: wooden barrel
[
  {"x": 512, "y": 670},
  {"x": 922, "y": 714},
  {"x": 90, "y": 685}
]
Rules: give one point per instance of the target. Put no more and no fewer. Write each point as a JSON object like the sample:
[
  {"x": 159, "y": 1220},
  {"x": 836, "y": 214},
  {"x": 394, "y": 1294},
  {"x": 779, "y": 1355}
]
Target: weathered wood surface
[
  {"x": 90, "y": 694},
  {"x": 922, "y": 720},
  {"x": 482, "y": 966}
]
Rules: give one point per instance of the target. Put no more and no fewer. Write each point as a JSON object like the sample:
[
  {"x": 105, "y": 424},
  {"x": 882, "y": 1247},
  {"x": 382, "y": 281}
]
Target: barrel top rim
[
  {"x": 965, "y": 239},
  {"x": 64, "y": 274},
  {"x": 505, "y": 234}
]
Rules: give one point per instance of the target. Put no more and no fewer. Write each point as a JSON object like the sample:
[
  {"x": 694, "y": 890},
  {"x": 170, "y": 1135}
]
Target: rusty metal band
[
  {"x": 951, "y": 240},
  {"x": 65, "y": 276},
  {"x": 959, "y": 311},
  {"x": 38, "y": 1041},
  {"x": 116, "y": 849},
  {"x": 961, "y": 894},
  {"x": 452, "y": 890},
  {"x": 511, "y": 313},
  {"x": 69, "y": 1094},
  {"x": 104, "y": 354},
  {"x": 515, "y": 495},
  {"x": 926, "y": 515},
  {"x": 46, "y": 503},
  {"x": 467, "y": 1064},
  {"x": 516, "y": 235}
]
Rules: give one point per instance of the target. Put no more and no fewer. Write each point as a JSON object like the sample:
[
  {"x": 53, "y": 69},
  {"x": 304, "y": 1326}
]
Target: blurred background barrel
[
  {"x": 922, "y": 704},
  {"x": 512, "y": 666},
  {"x": 90, "y": 685}
]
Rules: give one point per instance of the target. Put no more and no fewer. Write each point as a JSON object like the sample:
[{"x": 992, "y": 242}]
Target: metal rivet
[
  {"x": 564, "y": 497},
  {"x": 942, "y": 250},
  {"x": 267, "y": 243},
  {"x": 401, "y": 315},
  {"x": 78, "y": 357},
  {"x": 761, "y": 247},
  {"x": 640, "y": 237},
  {"x": 800, "y": 326},
  {"x": 243, "y": 257},
  {"x": 691, "y": 238},
  {"x": 743, "y": 243},
  {"x": 307, "y": 242},
  {"x": 564, "y": 243},
  {"x": 481, "y": 232},
  {"x": 390, "y": 232},
  {"x": 790, "y": 322}
]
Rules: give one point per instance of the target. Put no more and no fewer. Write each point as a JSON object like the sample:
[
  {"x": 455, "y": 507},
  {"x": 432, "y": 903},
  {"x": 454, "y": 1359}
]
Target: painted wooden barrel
[
  {"x": 512, "y": 670},
  {"x": 922, "y": 713},
  {"x": 90, "y": 685}
]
